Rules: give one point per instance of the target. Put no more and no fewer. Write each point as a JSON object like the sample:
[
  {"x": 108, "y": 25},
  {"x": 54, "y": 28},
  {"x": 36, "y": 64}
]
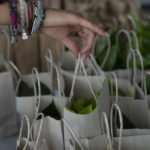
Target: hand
[{"x": 58, "y": 24}]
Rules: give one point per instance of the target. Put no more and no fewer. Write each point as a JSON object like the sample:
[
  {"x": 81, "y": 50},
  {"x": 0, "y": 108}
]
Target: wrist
[{"x": 4, "y": 11}]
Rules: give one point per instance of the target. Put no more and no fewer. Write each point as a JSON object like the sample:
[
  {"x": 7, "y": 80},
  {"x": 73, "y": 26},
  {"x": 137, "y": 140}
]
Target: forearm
[{"x": 4, "y": 14}]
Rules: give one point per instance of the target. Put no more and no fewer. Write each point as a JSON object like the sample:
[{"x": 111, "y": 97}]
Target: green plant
[{"x": 84, "y": 106}]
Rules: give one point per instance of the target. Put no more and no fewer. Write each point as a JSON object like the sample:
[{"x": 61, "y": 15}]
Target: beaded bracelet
[
  {"x": 29, "y": 22},
  {"x": 22, "y": 16},
  {"x": 13, "y": 20},
  {"x": 39, "y": 16}
]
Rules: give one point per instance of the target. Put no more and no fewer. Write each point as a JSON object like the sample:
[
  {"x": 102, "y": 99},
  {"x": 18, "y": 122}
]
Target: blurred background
[{"x": 105, "y": 13}]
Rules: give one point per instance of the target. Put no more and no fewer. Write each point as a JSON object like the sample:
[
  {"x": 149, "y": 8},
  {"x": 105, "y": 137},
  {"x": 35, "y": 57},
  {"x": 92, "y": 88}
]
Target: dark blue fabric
[{"x": 8, "y": 143}]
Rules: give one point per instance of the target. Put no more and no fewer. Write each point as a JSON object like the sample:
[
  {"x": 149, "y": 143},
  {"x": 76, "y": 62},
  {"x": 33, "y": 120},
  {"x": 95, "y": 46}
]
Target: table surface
[{"x": 8, "y": 143}]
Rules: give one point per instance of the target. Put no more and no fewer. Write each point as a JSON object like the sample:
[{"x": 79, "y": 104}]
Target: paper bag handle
[
  {"x": 14, "y": 69},
  {"x": 79, "y": 60},
  {"x": 49, "y": 59},
  {"x": 107, "y": 135},
  {"x": 127, "y": 35},
  {"x": 50, "y": 67},
  {"x": 108, "y": 52},
  {"x": 60, "y": 89},
  {"x": 132, "y": 21},
  {"x": 116, "y": 107},
  {"x": 8, "y": 44},
  {"x": 74, "y": 137},
  {"x": 25, "y": 119},
  {"x": 116, "y": 85},
  {"x": 140, "y": 56},
  {"x": 35, "y": 77},
  {"x": 132, "y": 53},
  {"x": 96, "y": 66},
  {"x": 39, "y": 131},
  {"x": 130, "y": 48}
]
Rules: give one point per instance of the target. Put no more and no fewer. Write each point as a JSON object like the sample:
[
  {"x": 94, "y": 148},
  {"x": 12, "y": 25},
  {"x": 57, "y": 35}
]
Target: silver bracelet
[
  {"x": 39, "y": 16},
  {"x": 22, "y": 16}
]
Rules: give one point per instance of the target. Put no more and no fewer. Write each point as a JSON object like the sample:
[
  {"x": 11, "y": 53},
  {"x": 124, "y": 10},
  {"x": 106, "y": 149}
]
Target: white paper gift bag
[
  {"x": 26, "y": 104},
  {"x": 52, "y": 129},
  {"x": 38, "y": 143},
  {"x": 26, "y": 101},
  {"x": 28, "y": 142},
  {"x": 136, "y": 142},
  {"x": 67, "y": 61},
  {"x": 103, "y": 141},
  {"x": 86, "y": 125},
  {"x": 76, "y": 143},
  {"x": 8, "y": 114},
  {"x": 130, "y": 106},
  {"x": 128, "y": 138},
  {"x": 67, "y": 64}
]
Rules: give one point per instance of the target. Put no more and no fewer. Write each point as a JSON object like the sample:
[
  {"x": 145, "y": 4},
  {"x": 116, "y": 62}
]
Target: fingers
[
  {"x": 63, "y": 18},
  {"x": 87, "y": 24},
  {"x": 71, "y": 45},
  {"x": 93, "y": 27},
  {"x": 87, "y": 42}
]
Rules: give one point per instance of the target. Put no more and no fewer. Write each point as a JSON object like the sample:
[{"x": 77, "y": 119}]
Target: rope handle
[
  {"x": 132, "y": 54},
  {"x": 139, "y": 55},
  {"x": 74, "y": 137},
  {"x": 116, "y": 107},
  {"x": 39, "y": 130},
  {"x": 14, "y": 69},
  {"x": 50, "y": 67},
  {"x": 104, "y": 119},
  {"x": 108, "y": 52},
  {"x": 116, "y": 86},
  {"x": 94, "y": 63},
  {"x": 78, "y": 61},
  {"x": 8, "y": 44},
  {"x": 25, "y": 119},
  {"x": 60, "y": 89},
  {"x": 35, "y": 78},
  {"x": 129, "y": 17},
  {"x": 127, "y": 35}
]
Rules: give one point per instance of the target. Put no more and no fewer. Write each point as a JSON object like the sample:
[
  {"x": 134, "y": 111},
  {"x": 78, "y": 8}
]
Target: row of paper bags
[
  {"x": 78, "y": 79},
  {"x": 75, "y": 79}
]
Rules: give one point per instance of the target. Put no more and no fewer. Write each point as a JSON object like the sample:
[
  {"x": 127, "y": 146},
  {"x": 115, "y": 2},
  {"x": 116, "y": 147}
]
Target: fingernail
[{"x": 106, "y": 34}]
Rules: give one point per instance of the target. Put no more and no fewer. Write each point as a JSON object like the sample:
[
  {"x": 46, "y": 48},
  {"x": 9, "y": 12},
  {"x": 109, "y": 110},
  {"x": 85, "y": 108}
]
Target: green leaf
[
  {"x": 112, "y": 58},
  {"x": 102, "y": 46},
  {"x": 70, "y": 110},
  {"x": 79, "y": 104},
  {"x": 84, "y": 106},
  {"x": 88, "y": 109},
  {"x": 51, "y": 110},
  {"x": 139, "y": 26},
  {"x": 24, "y": 90},
  {"x": 93, "y": 100}
]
